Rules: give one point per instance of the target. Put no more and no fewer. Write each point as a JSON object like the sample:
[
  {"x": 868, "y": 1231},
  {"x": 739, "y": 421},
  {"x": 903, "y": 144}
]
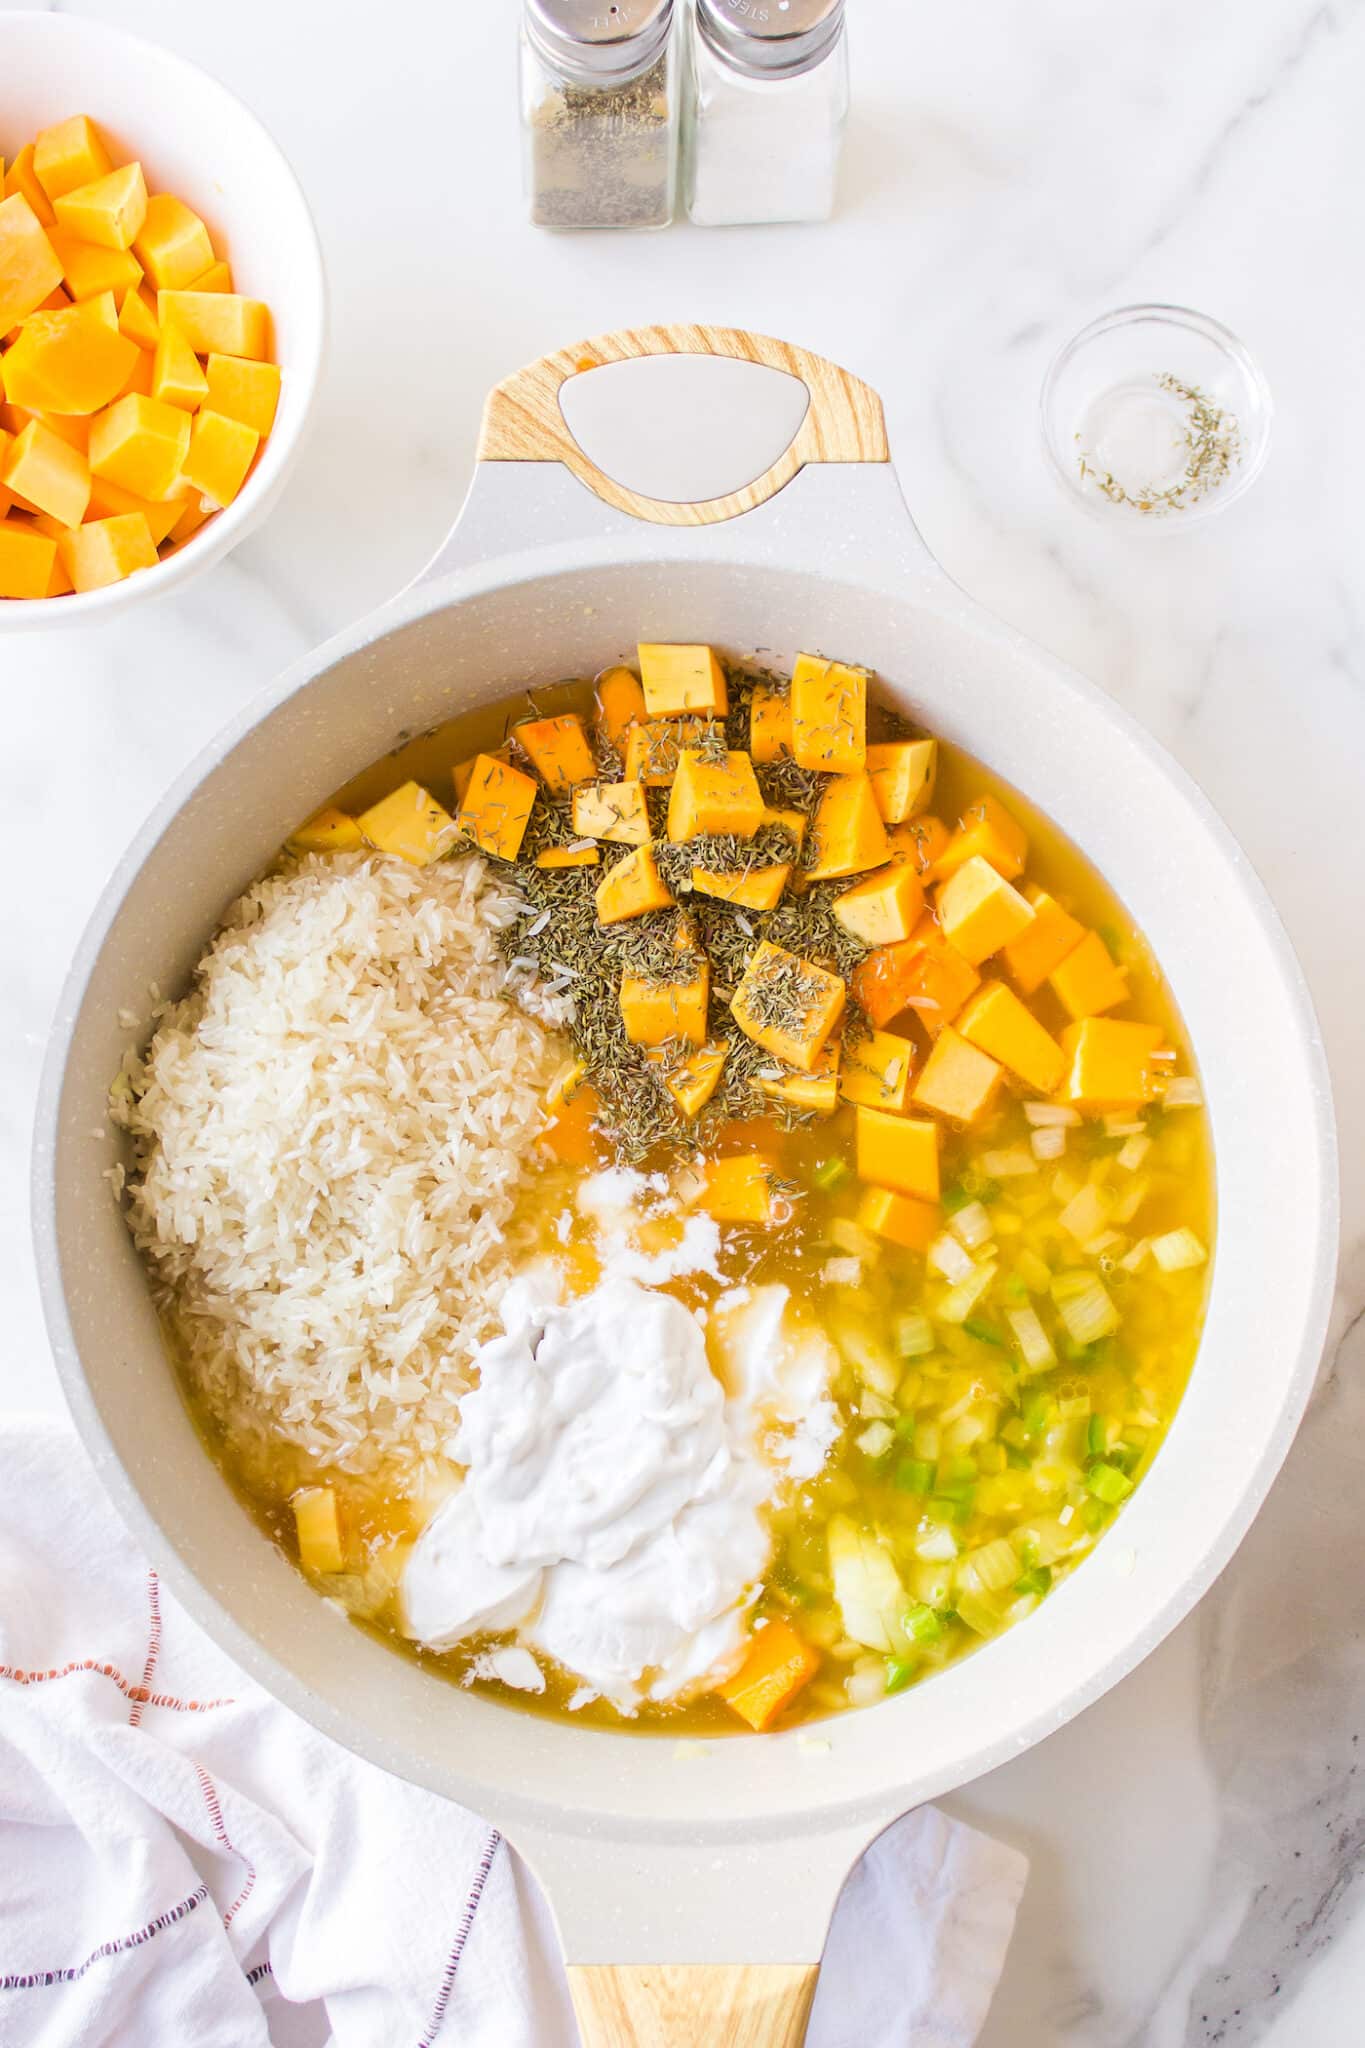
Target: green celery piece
[
  {"x": 899, "y": 1672},
  {"x": 1108, "y": 1484},
  {"x": 1037, "y": 1580},
  {"x": 913, "y": 1475},
  {"x": 923, "y": 1624}
]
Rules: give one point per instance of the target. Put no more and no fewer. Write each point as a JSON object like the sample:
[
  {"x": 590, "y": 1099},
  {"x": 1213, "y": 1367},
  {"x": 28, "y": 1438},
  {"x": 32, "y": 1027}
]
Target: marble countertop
[{"x": 1197, "y": 1838}]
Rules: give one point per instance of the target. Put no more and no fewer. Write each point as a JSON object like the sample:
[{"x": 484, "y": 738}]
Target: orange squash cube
[
  {"x": 141, "y": 444},
  {"x": 876, "y": 1070},
  {"x": 681, "y": 679},
  {"x": 217, "y": 278},
  {"x": 1088, "y": 980},
  {"x": 569, "y": 857},
  {"x": 409, "y": 823},
  {"x": 47, "y": 471},
  {"x": 817, "y": 1091},
  {"x": 106, "y": 550},
  {"x": 654, "y": 748},
  {"x": 885, "y": 908},
  {"x": 958, "y": 1080},
  {"x": 496, "y": 806},
  {"x": 920, "y": 841},
  {"x": 1042, "y": 945},
  {"x": 68, "y": 154},
  {"x": 89, "y": 269},
  {"x": 847, "y": 829},
  {"x": 770, "y": 723},
  {"x": 776, "y": 1667},
  {"x": 559, "y": 751},
  {"x": 750, "y": 888},
  {"x": 239, "y": 390},
  {"x": 898, "y": 1152},
  {"x": 979, "y": 911},
  {"x": 720, "y": 796},
  {"x": 197, "y": 512},
  {"x": 620, "y": 704},
  {"x": 22, "y": 178},
  {"x": 986, "y": 829},
  {"x": 327, "y": 831},
  {"x": 900, "y": 1219},
  {"x": 923, "y": 973},
  {"x": 161, "y": 514},
  {"x": 72, "y": 361},
  {"x": 109, "y": 211},
  {"x": 632, "y": 888},
  {"x": 829, "y": 715},
  {"x": 614, "y": 811},
  {"x": 1109, "y": 1064},
  {"x": 656, "y": 1011},
  {"x": 695, "y": 1080},
  {"x": 902, "y": 773},
  {"x": 173, "y": 245},
  {"x": 30, "y": 267},
  {"x": 738, "y": 1189},
  {"x": 137, "y": 318},
  {"x": 788, "y": 1005},
  {"x": 217, "y": 323},
  {"x": 997, "y": 1022},
  {"x": 26, "y": 560},
  {"x": 176, "y": 376},
  {"x": 221, "y": 453}
]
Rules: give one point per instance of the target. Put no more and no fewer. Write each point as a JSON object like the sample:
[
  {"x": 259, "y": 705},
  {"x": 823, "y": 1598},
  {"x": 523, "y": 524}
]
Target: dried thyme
[{"x": 1212, "y": 442}]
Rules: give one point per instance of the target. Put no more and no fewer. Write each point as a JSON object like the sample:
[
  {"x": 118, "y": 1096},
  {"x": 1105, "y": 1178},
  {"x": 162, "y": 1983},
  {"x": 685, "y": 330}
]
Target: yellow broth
[{"x": 973, "y": 1470}]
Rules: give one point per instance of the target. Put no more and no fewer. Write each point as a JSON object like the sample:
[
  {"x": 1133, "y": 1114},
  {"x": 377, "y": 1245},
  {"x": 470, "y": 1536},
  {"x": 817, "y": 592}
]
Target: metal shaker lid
[
  {"x": 596, "y": 40},
  {"x": 771, "y": 37}
]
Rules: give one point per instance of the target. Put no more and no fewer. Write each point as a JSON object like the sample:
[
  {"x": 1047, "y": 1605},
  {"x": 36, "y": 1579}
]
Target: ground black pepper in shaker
[{"x": 599, "y": 112}]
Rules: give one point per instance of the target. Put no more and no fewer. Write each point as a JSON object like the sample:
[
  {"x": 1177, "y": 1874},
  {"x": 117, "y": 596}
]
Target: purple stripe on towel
[
  {"x": 31, "y": 1980},
  {"x": 438, "y": 2011}
]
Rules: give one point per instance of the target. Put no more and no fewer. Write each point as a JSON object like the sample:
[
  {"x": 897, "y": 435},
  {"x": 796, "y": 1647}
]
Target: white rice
[{"x": 330, "y": 1134}]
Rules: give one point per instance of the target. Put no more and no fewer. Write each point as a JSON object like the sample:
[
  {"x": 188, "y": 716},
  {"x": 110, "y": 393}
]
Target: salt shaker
[
  {"x": 766, "y": 101},
  {"x": 599, "y": 107}
]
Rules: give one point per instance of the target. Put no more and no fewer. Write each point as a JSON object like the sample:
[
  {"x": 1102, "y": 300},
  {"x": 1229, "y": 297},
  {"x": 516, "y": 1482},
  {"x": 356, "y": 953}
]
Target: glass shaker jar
[
  {"x": 767, "y": 99},
  {"x": 599, "y": 109}
]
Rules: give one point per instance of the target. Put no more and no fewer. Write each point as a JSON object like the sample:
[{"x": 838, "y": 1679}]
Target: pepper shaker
[
  {"x": 767, "y": 98},
  {"x": 599, "y": 105}
]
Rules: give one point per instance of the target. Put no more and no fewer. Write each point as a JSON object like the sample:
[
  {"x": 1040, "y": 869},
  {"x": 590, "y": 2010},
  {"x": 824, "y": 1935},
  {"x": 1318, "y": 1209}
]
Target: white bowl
[{"x": 195, "y": 139}]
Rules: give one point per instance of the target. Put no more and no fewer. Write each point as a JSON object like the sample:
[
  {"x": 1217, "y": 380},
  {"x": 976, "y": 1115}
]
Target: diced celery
[
  {"x": 923, "y": 1625},
  {"x": 1033, "y": 1340},
  {"x": 829, "y": 1174},
  {"x": 1037, "y": 1579},
  {"x": 849, "y": 1236},
  {"x": 951, "y": 1259},
  {"x": 1096, "y": 1436},
  {"x": 899, "y": 1672},
  {"x": 980, "y": 1614},
  {"x": 913, "y": 1475},
  {"x": 995, "y": 1565},
  {"x": 1108, "y": 1484},
  {"x": 958, "y": 1303},
  {"x": 972, "y": 1225}
]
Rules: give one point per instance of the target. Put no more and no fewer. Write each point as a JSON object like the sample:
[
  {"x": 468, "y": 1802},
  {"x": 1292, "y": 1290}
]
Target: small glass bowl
[{"x": 1120, "y": 399}]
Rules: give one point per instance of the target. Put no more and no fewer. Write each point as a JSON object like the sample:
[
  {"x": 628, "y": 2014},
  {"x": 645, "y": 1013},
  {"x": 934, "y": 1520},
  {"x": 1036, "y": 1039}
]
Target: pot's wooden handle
[
  {"x": 699, "y": 2005},
  {"x": 523, "y": 422}
]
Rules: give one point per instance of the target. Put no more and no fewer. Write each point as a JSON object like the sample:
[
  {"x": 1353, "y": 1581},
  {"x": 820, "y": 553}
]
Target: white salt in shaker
[{"x": 767, "y": 97}]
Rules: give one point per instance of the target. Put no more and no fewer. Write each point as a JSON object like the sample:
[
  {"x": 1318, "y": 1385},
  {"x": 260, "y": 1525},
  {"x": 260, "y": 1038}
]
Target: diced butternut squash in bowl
[{"x": 116, "y": 311}]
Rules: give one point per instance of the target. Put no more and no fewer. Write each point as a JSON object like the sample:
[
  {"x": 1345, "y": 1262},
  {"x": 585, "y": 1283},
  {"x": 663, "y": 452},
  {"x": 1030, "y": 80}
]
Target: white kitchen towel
[{"x": 182, "y": 1861}]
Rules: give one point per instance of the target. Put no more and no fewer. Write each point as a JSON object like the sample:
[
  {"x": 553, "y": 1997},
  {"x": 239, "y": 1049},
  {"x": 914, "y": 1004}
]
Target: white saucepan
[{"x": 652, "y": 1861}]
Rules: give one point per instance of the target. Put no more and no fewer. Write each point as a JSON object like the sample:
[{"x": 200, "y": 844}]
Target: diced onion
[
  {"x": 1131, "y": 1155},
  {"x": 995, "y": 1565},
  {"x": 1032, "y": 1339},
  {"x": 1182, "y": 1092},
  {"x": 972, "y": 1225},
  {"x": 1138, "y": 1256},
  {"x": 1041, "y": 1114},
  {"x": 1178, "y": 1250},
  {"x": 948, "y": 1257},
  {"x": 959, "y": 1301},
  {"x": 1086, "y": 1214},
  {"x": 1123, "y": 1126},
  {"x": 1131, "y": 1200},
  {"x": 851, "y": 1237},
  {"x": 1049, "y": 1142},
  {"x": 914, "y": 1334},
  {"x": 937, "y": 1545},
  {"x": 867, "y": 1587},
  {"x": 842, "y": 1272},
  {"x": 876, "y": 1440},
  {"x": 1034, "y": 1272},
  {"x": 1011, "y": 1164}
]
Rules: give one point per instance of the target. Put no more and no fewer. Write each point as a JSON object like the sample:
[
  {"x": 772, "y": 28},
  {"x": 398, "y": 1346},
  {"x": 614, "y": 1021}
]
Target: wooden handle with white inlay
[{"x": 523, "y": 421}]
